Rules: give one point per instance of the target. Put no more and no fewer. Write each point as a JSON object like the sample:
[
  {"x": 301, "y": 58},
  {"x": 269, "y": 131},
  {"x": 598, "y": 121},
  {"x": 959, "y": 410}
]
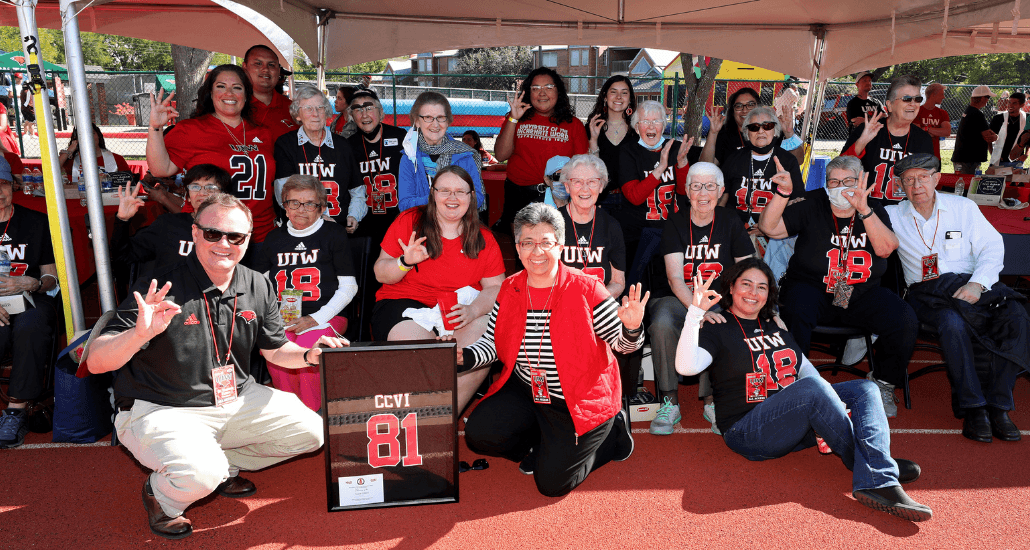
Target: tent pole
[
  {"x": 87, "y": 153},
  {"x": 322, "y": 35},
  {"x": 817, "y": 61},
  {"x": 57, "y": 212}
]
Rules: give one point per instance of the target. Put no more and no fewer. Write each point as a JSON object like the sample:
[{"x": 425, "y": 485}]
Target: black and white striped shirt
[{"x": 535, "y": 350}]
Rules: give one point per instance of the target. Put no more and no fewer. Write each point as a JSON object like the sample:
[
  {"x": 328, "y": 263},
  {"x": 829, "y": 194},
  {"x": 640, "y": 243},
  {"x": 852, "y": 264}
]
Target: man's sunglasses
[
  {"x": 214, "y": 235},
  {"x": 755, "y": 126},
  {"x": 478, "y": 464}
]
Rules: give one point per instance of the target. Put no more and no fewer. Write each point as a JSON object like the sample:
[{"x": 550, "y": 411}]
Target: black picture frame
[{"x": 362, "y": 383}]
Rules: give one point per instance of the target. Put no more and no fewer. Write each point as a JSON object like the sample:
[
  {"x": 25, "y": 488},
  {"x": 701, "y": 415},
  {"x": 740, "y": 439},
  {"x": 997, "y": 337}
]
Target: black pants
[
  {"x": 516, "y": 197},
  {"x": 508, "y": 424},
  {"x": 30, "y": 337},
  {"x": 877, "y": 310}
]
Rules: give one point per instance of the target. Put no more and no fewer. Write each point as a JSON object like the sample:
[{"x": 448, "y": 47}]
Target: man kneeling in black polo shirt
[{"x": 189, "y": 410}]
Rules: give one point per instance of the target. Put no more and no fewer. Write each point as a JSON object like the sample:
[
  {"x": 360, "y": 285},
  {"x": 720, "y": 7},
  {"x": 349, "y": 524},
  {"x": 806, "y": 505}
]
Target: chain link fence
[{"x": 120, "y": 105}]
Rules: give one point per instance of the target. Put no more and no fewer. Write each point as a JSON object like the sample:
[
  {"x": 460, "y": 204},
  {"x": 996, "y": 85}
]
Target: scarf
[
  {"x": 762, "y": 150},
  {"x": 445, "y": 149},
  {"x": 370, "y": 136}
]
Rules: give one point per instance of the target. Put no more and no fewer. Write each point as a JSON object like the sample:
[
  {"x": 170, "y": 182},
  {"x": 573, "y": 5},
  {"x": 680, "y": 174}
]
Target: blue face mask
[{"x": 661, "y": 141}]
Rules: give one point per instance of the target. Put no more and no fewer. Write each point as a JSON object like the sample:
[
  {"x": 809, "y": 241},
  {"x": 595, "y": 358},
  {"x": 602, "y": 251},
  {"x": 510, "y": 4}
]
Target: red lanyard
[
  {"x": 364, "y": 145},
  {"x": 305, "y": 151},
  {"x": 845, "y": 240},
  {"x": 690, "y": 224},
  {"x": 547, "y": 322},
  {"x": 590, "y": 244},
  {"x": 742, "y": 331},
  {"x": 914, "y": 221},
  {"x": 232, "y": 328}
]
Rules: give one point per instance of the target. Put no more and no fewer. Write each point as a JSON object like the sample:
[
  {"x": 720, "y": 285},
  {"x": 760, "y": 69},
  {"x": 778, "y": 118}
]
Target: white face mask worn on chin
[{"x": 837, "y": 198}]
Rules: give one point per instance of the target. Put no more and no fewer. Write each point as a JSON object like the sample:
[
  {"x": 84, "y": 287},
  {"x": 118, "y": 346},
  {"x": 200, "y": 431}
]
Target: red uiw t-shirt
[
  {"x": 451, "y": 271},
  {"x": 539, "y": 139}
]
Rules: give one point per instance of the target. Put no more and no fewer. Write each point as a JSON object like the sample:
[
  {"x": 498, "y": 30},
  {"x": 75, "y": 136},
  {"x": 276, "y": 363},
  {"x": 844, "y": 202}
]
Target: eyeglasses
[
  {"x": 710, "y": 186},
  {"x": 652, "y": 123},
  {"x": 846, "y": 182},
  {"x": 452, "y": 193},
  {"x": 547, "y": 87},
  {"x": 528, "y": 246},
  {"x": 594, "y": 183},
  {"x": 215, "y": 235},
  {"x": 308, "y": 109},
  {"x": 555, "y": 176},
  {"x": 428, "y": 119},
  {"x": 755, "y": 126},
  {"x": 363, "y": 108},
  {"x": 210, "y": 188},
  {"x": 910, "y": 98},
  {"x": 921, "y": 178},
  {"x": 297, "y": 205},
  {"x": 745, "y": 106},
  {"x": 478, "y": 464}
]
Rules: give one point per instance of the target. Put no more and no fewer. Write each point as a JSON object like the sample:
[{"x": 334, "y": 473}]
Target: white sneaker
[
  {"x": 890, "y": 399},
  {"x": 855, "y": 350},
  {"x": 709, "y": 414}
]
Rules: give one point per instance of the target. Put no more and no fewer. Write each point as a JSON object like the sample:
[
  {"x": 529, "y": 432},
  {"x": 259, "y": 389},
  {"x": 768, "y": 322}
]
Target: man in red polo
[{"x": 268, "y": 107}]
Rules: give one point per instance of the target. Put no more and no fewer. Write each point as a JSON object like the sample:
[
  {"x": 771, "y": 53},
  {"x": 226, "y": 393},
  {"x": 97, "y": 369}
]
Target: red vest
[{"x": 587, "y": 368}]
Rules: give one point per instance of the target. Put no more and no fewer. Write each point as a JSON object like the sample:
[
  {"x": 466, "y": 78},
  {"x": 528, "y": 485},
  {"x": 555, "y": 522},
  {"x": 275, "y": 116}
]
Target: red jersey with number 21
[{"x": 245, "y": 152}]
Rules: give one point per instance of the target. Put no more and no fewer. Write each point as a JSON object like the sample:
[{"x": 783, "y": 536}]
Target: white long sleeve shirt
[{"x": 965, "y": 241}]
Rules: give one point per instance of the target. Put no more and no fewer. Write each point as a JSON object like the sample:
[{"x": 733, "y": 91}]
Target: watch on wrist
[
  {"x": 862, "y": 216},
  {"x": 309, "y": 363}
]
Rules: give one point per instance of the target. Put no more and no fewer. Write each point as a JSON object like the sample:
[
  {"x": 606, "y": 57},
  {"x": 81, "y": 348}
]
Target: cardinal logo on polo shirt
[{"x": 248, "y": 315}]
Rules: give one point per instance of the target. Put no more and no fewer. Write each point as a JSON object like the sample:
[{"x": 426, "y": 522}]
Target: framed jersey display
[{"x": 389, "y": 410}]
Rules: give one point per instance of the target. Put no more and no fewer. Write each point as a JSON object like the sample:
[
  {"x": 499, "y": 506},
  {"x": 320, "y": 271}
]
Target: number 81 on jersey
[{"x": 383, "y": 431}]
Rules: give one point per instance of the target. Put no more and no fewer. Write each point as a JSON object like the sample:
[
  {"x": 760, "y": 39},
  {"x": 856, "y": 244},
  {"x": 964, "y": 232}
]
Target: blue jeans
[{"x": 789, "y": 420}]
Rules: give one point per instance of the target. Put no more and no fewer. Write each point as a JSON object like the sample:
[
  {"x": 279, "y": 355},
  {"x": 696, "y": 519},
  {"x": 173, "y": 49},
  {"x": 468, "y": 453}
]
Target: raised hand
[
  {"x": 681, "y": 156},
  {"x": 597, "y": 123},
  {"x": 704, "y": 297},
  {"x": 717, "y": 121},
  {"x": 663, "y": 161},
  {"x": 161, "y": 110},
  {"x": 872, "y": 125},
  {"x": 782, "y": 178},
  {"x": 859, "y": 196},
  {"x": 631, "y": 312},
  {"x": 518, "y": 106},
  {"x": 155, "y": 313},
  {"x": 128, "y": 202},
  {"x": 786, "y": 117},
  {"x": 414, "y": 252}
]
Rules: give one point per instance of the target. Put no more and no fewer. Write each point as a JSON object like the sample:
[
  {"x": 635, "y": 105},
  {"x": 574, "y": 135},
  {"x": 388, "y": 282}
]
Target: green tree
[{"x": 513, "y": 61}]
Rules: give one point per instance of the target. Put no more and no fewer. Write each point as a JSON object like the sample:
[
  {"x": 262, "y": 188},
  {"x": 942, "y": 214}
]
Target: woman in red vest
[{"x": 554, "y": 327}]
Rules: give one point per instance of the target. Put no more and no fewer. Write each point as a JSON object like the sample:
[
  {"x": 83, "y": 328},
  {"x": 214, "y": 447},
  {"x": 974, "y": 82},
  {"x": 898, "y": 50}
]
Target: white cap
[
  {"x": 861, "y": 74},
  {"x": 981, "y": 91}
]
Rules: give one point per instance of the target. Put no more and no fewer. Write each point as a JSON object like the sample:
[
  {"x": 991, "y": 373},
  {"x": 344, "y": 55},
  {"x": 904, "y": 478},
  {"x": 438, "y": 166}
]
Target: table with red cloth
[
  {"x": 1007, "y": 221},
  {"x": 81, "y": 244},
  {"x": 138, "y": 167}
]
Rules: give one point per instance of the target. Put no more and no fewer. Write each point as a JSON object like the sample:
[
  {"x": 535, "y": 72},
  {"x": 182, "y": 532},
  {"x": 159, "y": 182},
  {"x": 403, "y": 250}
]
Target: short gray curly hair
[
  {"x": 755, "y": 113},
  {"x": 536, "y": 213},
  {"x": 307, "y": 91},
  {"x": 589, "y": 161}
]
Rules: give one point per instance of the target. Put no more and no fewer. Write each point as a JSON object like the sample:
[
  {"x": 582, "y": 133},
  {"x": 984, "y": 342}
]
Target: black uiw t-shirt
[
  {"x": 741, "y": 349},
  {"x": 713, "y": 247},
  {"x": 379, "y": 165},
  {"x": 883, "y": 152},
  {"x": 818, "y": 249},
  {"x": 749, "y": 181},
  {"x": 596, "y": 248}
]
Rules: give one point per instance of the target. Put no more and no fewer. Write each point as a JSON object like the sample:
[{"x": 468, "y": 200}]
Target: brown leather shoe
[
  {"x": 236, "y": 487},
  {"x": 160, "y": 523}
]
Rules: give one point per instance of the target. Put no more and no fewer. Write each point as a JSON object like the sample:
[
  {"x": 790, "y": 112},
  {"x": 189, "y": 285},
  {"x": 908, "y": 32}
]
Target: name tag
[
  {"x": 390, "y": 142},
  {"x": 754, "y": 387},
  {"x": 540, "y": 392},
  {"x": 224, "y": 381}
]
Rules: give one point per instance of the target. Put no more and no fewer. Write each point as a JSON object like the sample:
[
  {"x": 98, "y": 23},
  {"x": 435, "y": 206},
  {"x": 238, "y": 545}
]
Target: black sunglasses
[
  {"x": 755, "y": 126},
  {"x": 215, "y": 235},
  {"x": 911, "y": 98},
  {"x": 478, "y": 464}
]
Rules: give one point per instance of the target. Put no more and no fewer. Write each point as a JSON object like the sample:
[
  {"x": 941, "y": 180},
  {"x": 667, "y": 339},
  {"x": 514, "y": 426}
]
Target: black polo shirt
[{"x": 175, "y": 368}]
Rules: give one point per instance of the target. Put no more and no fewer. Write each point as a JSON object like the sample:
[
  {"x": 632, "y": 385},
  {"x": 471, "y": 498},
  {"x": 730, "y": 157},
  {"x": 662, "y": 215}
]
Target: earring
[{"x": 629, "y": 111}]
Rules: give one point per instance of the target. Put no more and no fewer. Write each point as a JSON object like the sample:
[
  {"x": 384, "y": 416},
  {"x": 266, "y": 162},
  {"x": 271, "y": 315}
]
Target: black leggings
[
  {"x": 516, "y": 197},
  {"x": 508, "y": 424}
]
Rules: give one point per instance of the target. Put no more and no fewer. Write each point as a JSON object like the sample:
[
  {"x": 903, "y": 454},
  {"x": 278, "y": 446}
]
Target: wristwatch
[
  {"x": 866, "y": 216},
  {"x": 309, "y": 363}
]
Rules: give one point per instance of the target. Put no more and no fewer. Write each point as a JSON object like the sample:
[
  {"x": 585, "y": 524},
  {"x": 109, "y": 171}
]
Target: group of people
[{"x": 567, "y": 327}]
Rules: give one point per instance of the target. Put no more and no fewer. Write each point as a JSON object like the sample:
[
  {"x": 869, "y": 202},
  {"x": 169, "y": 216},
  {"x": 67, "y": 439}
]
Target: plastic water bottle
[
  {"x": 5, "y": 263},
  {"x": 960, "y": 187},
  {"x": 26, "y": 181},
  {"x": 105, "y": 182},
  {"x": 37, "y": 180}
]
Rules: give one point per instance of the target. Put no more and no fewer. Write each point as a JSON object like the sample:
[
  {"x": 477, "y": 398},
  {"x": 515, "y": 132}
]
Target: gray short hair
[
  {"x": 903, "y": 80},
  {"x": 648, "y": 107},
  {"x": 536, "y": 213},
  {"x": 705, "y": 169},
  {"x": 753, "y": 114},
  {"x": 307, "y": 91},
  {"x": 304, "y": 182},
  {"x": 589, "y": 161},
  {"x": 845, "y": 162}
]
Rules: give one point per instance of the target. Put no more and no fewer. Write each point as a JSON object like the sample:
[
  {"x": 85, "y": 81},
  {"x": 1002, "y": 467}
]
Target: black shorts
[
  {"x": 28, "y": 114},
  {"x": 388, "y": 313}
]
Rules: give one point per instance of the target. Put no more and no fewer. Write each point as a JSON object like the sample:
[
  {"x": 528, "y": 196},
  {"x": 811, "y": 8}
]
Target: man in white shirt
[{"x": 951, "y": 256}]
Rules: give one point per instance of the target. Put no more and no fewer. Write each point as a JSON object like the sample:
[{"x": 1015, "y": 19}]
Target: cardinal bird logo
[{"x": 248, "y": 315}]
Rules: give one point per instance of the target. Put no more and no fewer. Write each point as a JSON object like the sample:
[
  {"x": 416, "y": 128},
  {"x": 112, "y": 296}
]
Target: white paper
[{"x": 361, "y": 490}]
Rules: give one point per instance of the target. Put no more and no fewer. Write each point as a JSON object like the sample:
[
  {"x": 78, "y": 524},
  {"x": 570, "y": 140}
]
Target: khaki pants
[{"x": 194, "y": 449}]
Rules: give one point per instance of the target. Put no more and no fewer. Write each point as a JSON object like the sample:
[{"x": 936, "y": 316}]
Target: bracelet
[
  {"x": 513, "y": 120},
  {"x": 157, "y": 129},
  {"x": 777, "y": 191},
  {"x": 309, "y": 363},
  {"x": 865, "y": 216},
  {"x": 401, "y": 265}
]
